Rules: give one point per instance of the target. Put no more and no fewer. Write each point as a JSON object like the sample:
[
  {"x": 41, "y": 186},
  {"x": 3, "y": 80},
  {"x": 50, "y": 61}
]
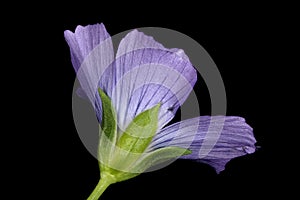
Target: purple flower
[{"x": 144, "y": 74}]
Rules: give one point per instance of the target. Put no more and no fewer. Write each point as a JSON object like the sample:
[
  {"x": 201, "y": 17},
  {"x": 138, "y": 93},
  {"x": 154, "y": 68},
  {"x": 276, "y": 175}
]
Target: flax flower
[{"x": 135, "y": 94}]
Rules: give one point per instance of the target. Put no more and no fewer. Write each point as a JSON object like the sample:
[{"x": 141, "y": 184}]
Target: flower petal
[
  {"x": 208, "y": 146},
  {"x": 148, "y": 74},
  {"x": 84, "y": 40},
  {"x": 92, "y": 54}
]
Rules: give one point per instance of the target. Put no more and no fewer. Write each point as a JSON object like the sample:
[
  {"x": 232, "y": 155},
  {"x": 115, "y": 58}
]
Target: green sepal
[
  {"x": 140, "y": 131},
  {"x": 148, "y": 160},
  {"x": 108, "y": 130},
  {"x": 134, "y": 140},
  {"x": 158, "y": 156},
  {"x": 126, "y": 158},
  {"x": 109, "y": 122}
]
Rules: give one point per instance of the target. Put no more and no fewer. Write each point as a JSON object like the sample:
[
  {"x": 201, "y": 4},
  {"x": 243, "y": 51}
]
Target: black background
[{"x": 238, "y": 40}]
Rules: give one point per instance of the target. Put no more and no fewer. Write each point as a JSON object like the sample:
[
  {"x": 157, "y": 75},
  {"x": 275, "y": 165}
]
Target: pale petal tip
[
  {"x": 148, "y": 40},
  {"x": 247, "y": 149},
  {"x": 81, "y": 27},
  {"x": 68, "y": 34}
]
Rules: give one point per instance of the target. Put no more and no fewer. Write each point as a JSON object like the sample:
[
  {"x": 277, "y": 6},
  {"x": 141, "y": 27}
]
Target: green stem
[{"x": 100, "y": 188}]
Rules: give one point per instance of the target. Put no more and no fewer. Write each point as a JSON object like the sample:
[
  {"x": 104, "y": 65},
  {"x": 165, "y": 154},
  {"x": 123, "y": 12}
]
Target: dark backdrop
[{"x": 238, "y": 40}]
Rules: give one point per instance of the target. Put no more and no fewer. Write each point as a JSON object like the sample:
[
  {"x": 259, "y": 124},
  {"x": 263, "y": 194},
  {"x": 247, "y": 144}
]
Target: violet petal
[
  {"x": 148, "y": 74},
  {"x": 92, "y": 54},
  {"x": 236, "y": 139}
]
